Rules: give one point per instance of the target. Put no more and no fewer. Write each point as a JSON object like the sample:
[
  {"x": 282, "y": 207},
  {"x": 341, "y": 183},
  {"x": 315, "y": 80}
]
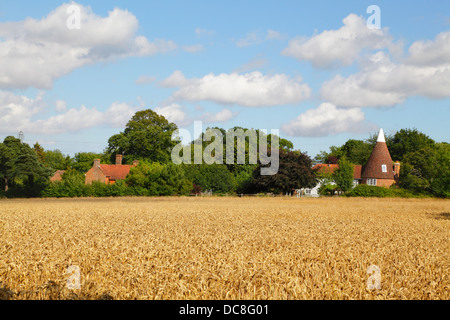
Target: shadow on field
[
  {"x": 6, "y": 293},
  {"x": 441, "y": 216},
  {"x": 50, "y": 291}
]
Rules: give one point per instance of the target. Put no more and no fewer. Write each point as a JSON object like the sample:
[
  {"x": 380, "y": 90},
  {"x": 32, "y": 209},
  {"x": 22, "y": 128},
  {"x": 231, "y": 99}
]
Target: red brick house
[{"x": 109, "y": 173}]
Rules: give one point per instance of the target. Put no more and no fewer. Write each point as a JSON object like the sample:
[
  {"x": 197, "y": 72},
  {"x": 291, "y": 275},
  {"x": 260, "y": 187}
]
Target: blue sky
[{"x": 311, "y": 69}]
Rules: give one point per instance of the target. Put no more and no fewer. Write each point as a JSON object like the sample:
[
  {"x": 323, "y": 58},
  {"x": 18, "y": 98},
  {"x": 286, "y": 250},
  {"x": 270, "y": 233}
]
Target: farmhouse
[
  {"x": 329, "y": 169},
  {"x": 109, "y": 173},
  {"x": 378, "y": 171}
]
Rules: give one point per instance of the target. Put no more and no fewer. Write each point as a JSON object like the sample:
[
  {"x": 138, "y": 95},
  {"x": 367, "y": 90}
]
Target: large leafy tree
[
  {"x": 83, "y": 161},
  {"x": 147, "y": 135},
  {"x": 427, "y": 169},
  {"x": 406, "y": 141},
  {"x": 56, "y": 160},
  {"x": 295, "y": 172},
  {"x": 357, "y": 151}
]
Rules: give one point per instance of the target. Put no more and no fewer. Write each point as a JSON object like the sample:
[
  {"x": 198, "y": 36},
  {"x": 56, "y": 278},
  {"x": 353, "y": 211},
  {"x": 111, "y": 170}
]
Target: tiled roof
[
  {"x": 330, "y": 168},
  {"x": 58, "y": 175},
  {"x": 325, "y": 168},
  {"x": 116, "y": 172},
  {"x": 357, "y": 169},
  {"x": 380, "y": 156}
]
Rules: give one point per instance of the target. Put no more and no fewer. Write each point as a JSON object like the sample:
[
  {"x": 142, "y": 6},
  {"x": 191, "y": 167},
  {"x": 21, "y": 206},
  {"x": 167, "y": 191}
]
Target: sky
[{"x": 72, "y": 74}]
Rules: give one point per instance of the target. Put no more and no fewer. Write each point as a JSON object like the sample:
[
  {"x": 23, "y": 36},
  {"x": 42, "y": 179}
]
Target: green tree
[
  {"x": 343, "y": 176},
  {"x": 406, "y": 141},
  {"x": 215, "y": 177},
  {"x": 72, "y": 185},
  {"x": 21, "y": 171},
  {"x": 39, "y": 152},
  {"x": 158, "y": 179},
  {"x": 83, "y": 161},
  {"x": 357, "y": 151},
  {"x": 147, "y": 135},
  {"x": 56, "y": 160},
  {"x": 427, "y": 169},
  {"x": 324, "y": 156}
]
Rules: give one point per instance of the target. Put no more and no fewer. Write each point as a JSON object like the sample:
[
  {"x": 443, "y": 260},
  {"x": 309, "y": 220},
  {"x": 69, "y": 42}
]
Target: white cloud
[
  {"x": 145, "y": 80},
  {"x": 222, "y": 116},
  {"x": 19, "y": 112},
  {"x": 249, "y": 40},
  {"x": 176, "y": 79},
  {"x": 274, "y": 35},
  {"x": 382, "y": 82},
  {"x": 251, "y": 89},
  {"x": 254, "y": 38},
  {"x": 70, "y": 121},
  {"x": 60, "y": 106},
  {"x": 33, "y": 53},
  {"x": 177, "y": 114},
  {"x": 430, "y": 53},
  {"x": 174, "y": 113},
  {"x": 117, "y": 115},
  {"x": 255, "y": 63},
  {"x": 339, "y": 47},
  {"x": 326, "y": 120},
  {"x": 16, "y": 111}
]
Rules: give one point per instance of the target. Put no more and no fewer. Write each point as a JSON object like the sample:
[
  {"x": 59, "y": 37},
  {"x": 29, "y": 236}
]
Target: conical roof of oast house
[{"x": 380, "y": 156}]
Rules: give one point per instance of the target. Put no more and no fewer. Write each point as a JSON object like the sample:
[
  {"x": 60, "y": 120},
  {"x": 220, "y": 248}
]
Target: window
[
  {"x": 383, "y": 168},
  {"x": 307, "y": 191},
  {"x": 372, "y": 182}
]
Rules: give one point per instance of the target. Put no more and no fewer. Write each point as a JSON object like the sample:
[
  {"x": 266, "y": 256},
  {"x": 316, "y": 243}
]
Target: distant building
[
  {"x": 329, "y": 169},
  {"x": 57, "y": 176},
  {"x": 379, "y": 170},
  {"x": 109, "y": 173}
]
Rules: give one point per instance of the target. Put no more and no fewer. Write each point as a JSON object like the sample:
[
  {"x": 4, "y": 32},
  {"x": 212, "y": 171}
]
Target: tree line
[{"x": 25, "y": 171}]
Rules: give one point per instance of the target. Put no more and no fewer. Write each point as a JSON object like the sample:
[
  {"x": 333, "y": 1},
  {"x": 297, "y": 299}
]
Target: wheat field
[{"x": 224, "y": 248}]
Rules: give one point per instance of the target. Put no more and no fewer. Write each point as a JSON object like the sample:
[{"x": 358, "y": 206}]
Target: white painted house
[{"x": 329, "y": 169}]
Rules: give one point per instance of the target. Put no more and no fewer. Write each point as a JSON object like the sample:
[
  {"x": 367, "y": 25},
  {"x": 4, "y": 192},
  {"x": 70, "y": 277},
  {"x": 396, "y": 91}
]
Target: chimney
[
  {"x": 135, "y": 163},
  {"x": 96, "y": 162},
  {"x": 397, "y": 169},
  {"x": 119, "y": 159}
]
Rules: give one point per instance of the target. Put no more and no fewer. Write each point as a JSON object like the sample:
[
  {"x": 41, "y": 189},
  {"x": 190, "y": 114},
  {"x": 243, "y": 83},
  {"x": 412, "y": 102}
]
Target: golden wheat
[{"x": 224, "y": 248}]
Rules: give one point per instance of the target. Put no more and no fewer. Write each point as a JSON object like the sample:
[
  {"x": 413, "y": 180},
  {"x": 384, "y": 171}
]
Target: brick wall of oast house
[
  {"x": 95, "y": 174},
  {"x": 381, "y": 182}
]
